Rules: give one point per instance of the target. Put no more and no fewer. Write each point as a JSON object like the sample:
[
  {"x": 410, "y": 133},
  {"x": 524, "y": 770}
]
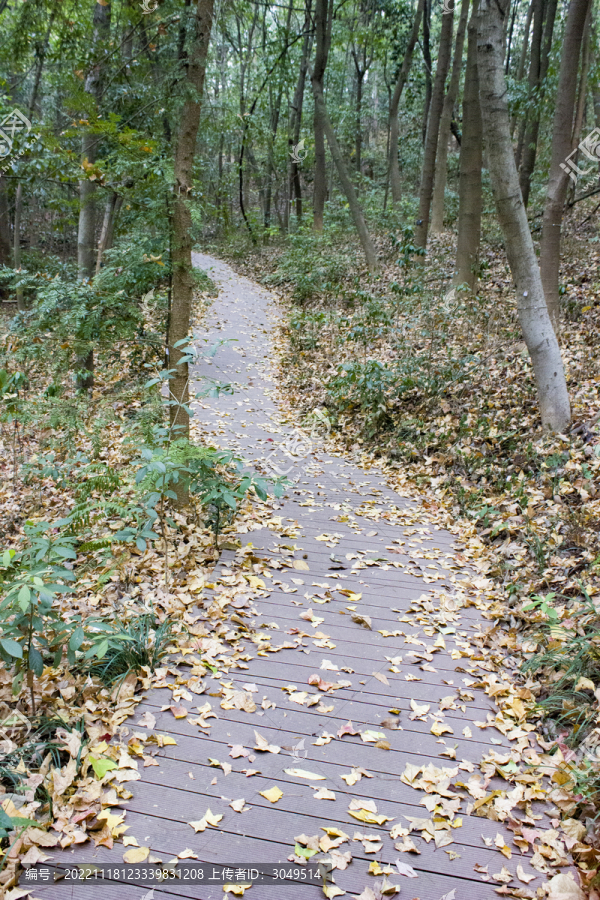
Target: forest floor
[{"x": 419, "y": 685}]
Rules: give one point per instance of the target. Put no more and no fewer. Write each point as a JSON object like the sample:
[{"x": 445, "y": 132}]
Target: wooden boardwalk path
[{"x": 327, "y": 491}]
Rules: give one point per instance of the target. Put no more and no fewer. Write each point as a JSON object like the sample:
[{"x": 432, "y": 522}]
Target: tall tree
[
  {"x": 86, "y": 234},
  {"x": 41, "y": 52},
  {"x": 471, "y": 154},
  {"x": 441, "y": 164},
  {"x": 433, "y": 127},
  {"x": 428, "y": 64},
  {"x": 533, "y": 314},
  {"x": 323, "y": 23},
  {"x": 323, "y": 41},
  {"x": 562, "y": 145},
  {"x": 537, "y": 86},
  {"x": 393, "y": 167},
  {"x": 296, "y": 111},
  {"x": 363, "y": 48},
  {"x": 181, "y": 242}
]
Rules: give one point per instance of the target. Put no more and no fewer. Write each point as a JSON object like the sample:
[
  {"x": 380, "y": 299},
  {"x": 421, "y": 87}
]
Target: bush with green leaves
[
  {"x": 364, "y": 385},
  {"x": 32, "y": 630},
  {"x": 118, "y": 647}
]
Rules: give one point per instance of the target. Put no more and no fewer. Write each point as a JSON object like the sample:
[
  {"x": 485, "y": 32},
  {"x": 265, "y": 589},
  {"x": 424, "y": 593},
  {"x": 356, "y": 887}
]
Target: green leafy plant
[
  {"x": 118, "y": 648},
  {"x": 32, "y": 630},
  {"x": 545, "y": 606}
]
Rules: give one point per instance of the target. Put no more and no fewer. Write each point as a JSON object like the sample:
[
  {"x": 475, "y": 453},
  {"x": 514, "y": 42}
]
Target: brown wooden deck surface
[{"x": 180, "y": 789}]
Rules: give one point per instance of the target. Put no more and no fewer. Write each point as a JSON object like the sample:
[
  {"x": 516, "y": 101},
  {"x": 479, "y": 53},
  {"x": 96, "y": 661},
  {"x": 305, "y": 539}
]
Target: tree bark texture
[
  {"x": 394, "y": 168},
  {"x": 428, "y": 64},
  {"x": 348, "y": 187},
  {"x": 533, "y": 314},
  {"x": 298, "y": 102},
  {"x": 441, "y": 164},
  {"x": 86, "y": 232},
  {"x": 433, "y": 127},
  {"x": 181, "y": 241},
  {"x": 323, "y": 22},
  {"x": 537, "y": 85},
  {"x": 562, "y": 145},
  {"x": 471, "y": 157}
]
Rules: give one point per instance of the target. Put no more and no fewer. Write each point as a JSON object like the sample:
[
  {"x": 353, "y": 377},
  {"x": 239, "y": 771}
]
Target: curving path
[{"x": 383, "y": 547}]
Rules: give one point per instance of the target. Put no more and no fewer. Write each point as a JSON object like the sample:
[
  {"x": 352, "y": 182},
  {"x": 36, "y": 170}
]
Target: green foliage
[
  {"x": 118, "y": 648},
  {"x": 309, "y": 264},
  {"x": 365, "y": 385},
  {"x": 32, "y": 631}
]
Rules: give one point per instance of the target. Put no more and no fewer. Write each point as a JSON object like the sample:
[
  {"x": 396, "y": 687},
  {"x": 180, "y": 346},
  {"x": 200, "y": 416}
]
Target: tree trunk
[
  {"x": 275, "y": 108},
  {"x": 562, "y": 145},
  {"x": 17, "y": 242},
  {"x": 295, "y": 190},
  {"x": 5, "y": 248},
  {"x": 356, "y": 211},
  {"x": 471, "y": 152},
  {"x": 433, "y": 127},
  {"x": 439, "y": 190},
  {"x": 298, "y": 102},
  {"x": 181, "y": 242},
  {"x": 41, "y": 56},
  {"x": 360, "y": 74},
  {"x": 393, "y": 167},
  {"x": 537, "y": 89},
  {"x": 111, "y": 210},
  {"x": 525, "y": 47},
  {"x": 533, "y": 314},
  {"x": 510, "y": 37},
  {"x": 323, "y": 21},
  {"x": 86, "y": 232},
  {"x": 428, "y": 64},
  {"x": 581, "y": 96}
]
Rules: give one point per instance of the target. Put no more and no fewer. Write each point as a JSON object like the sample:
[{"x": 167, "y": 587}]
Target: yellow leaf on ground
[
  {"x": 440, "y": 728},
  {"x": 272, "y": 795},
  {"x": 332, "y": 890},
  {"x": 136, "y": 855}
]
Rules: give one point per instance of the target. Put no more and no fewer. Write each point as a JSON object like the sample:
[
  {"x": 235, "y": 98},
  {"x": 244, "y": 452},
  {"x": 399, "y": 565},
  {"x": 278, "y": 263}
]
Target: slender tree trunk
[
  {"x": 356, "y": 211},
  {"x": 537, "y": 88},
  {"x": 525, "y": 47},
  {"x": 111, "y": 210},
  {"x": 471, "y": 152},
  {"x": 86, "y": 232},
  {"x": 41, "y": 56},
  {"x": 5, "y": 248},
  {"x": 439, "y": 190},
  {"x": 274, "y": 125},
  {"x": 581, "y": 97},
  {"x": 17, "y": 242},
  {"x": 323, "y": 21},
  {"x": 519, "y": 77},
  {"x": 428, "y": 64},
  {"x": 360, "y": 74},
  {"x": 433, "y": 127},
  {"x": 394, "y": 168},
  {"x": 181, "y": 242},
  {"x": 298, "y": 102},
  {"x": 533, "y": 314},
  {"x": 510, "y": 37},
  {"x": 562, "y": 145}
]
